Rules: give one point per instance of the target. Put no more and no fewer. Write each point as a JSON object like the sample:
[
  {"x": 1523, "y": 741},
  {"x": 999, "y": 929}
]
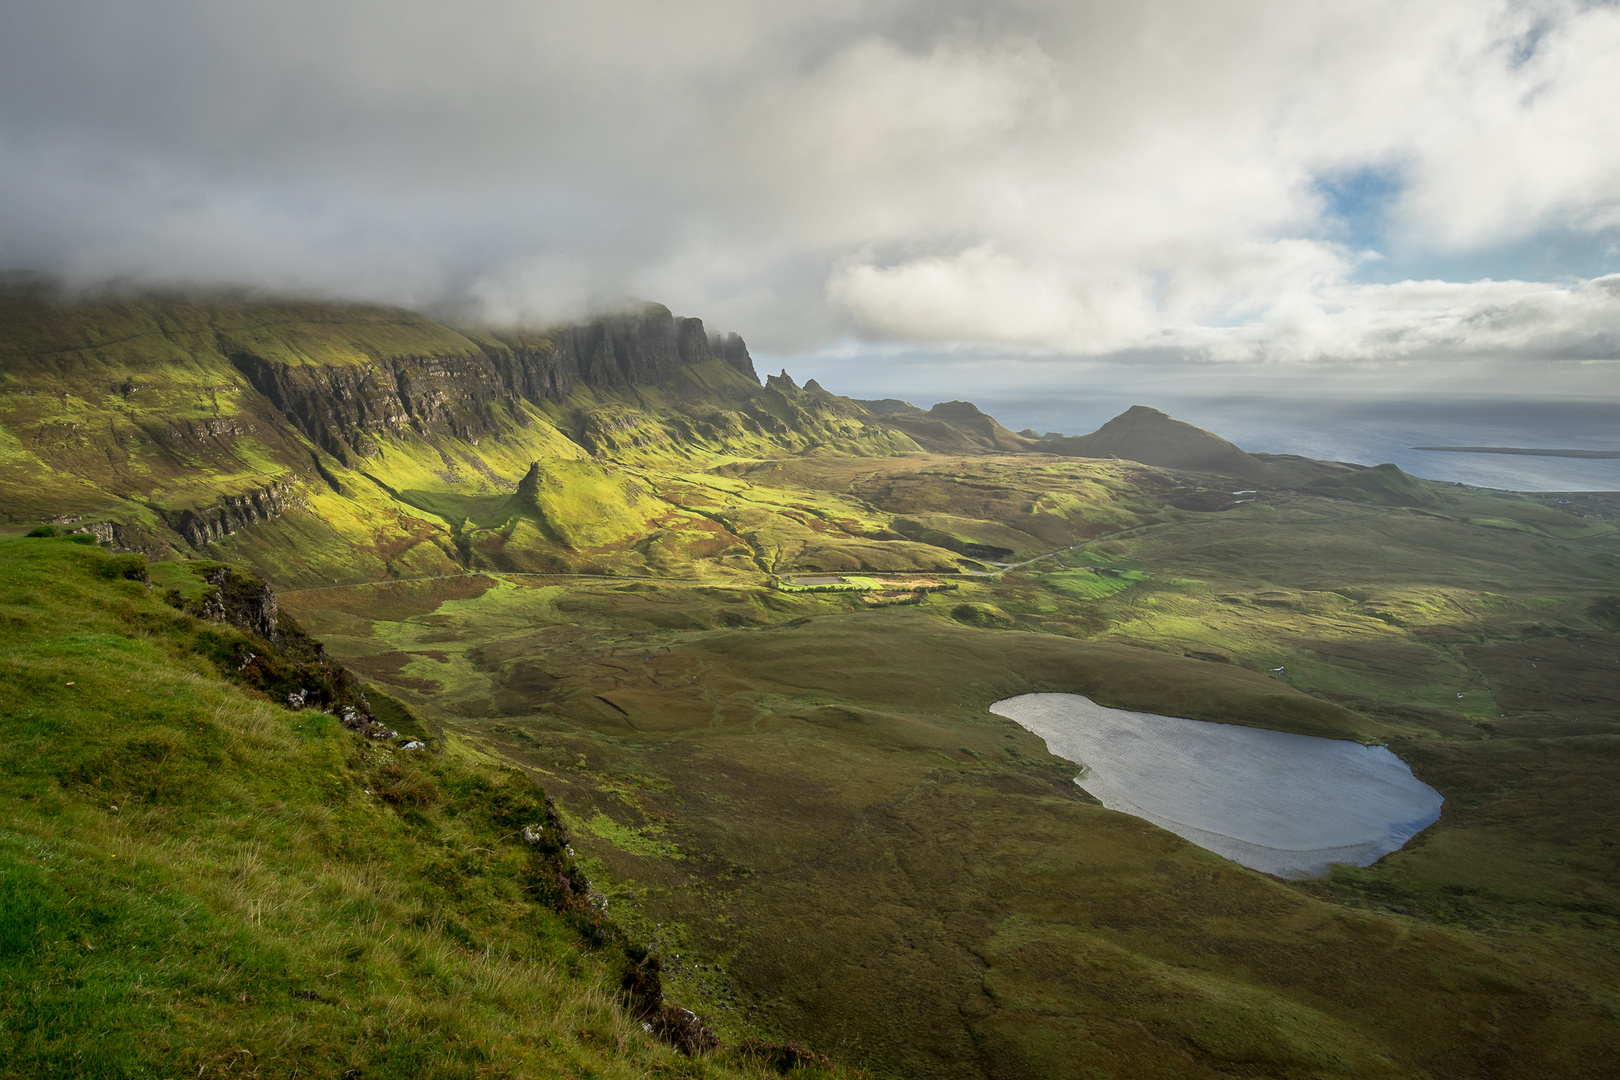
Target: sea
[{"x": 1374, "y": 431}]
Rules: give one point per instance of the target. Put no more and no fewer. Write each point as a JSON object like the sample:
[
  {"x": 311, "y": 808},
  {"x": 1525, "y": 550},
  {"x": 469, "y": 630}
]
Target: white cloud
[
  {"x": 1418, "y": 319},
  {"x": 1523, "y": 139},
  {"x": 980, "y": 295},
  {"x": 1078, "y": 176}
]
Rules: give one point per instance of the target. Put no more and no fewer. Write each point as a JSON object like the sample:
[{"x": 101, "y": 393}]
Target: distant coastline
[{"x": 1528, "y": 451}]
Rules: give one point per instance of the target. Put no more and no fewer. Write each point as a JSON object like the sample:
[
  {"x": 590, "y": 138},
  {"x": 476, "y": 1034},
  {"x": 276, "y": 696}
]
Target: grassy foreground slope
[{"x": 197, "y": 882}]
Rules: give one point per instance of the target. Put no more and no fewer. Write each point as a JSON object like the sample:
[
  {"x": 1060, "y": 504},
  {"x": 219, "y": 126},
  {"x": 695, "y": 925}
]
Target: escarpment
[
  {"x": 328, "y": 442},
  {"x": 341, "y": 409}
]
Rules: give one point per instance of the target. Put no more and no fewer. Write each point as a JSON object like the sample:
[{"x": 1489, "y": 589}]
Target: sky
[{"x": 903, "y": 196}]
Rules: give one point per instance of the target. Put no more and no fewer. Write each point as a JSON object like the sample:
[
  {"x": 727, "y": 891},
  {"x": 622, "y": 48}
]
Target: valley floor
[{"x": 806, "y": 802}]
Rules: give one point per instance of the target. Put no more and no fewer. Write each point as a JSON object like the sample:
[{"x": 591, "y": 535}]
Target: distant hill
[
  {"x": 950, "y": 427},
  {"x": 1154, "y": 438},
  {"x": 1151, "y": 437},
  {"x": 1382, "y": 485}
]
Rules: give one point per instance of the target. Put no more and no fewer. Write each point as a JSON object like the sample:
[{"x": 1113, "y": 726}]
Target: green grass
[
  {"x": 814, "y": 773},
  {"x": 1090, "y": 584},
  {"x": 194, "y": 882}
]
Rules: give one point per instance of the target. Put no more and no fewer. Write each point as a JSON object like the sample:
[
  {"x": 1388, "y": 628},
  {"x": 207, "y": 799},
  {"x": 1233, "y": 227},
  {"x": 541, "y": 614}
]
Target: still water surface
[{"x": 1290, "y": 805}]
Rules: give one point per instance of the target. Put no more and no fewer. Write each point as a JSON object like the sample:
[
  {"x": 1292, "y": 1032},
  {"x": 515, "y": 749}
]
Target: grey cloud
[{"x": 1079, "y": 178}]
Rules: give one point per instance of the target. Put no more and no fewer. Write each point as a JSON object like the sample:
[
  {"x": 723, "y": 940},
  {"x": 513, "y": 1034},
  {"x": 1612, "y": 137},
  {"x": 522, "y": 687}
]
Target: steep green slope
[{"x": 195, "y": 881}]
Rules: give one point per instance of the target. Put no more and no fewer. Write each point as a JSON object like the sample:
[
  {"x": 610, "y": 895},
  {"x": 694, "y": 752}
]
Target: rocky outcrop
[
  {"x": 233, "y": 512},
  {"x": 343, "y": 409},
  {"x": 696, "y": 347},
  {"x": 240, "y": 599},
  {"x": 277, "y": 658},
  {"x": 732, "y": 350},
  {"x": 118, "y": 535},
  {"x": 640, "y": 349}
]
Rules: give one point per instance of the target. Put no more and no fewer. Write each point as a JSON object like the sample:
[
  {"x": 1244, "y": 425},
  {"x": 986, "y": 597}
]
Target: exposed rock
[
  {"x": 732, "y": 350},
  {"x": 683, "y": 1029},
  {"x": 232, "y": 512},
  {"x": 241, "y": 600},
  {"x": 105, "y": 532},
  {"x": 643, "y": 985},
  {"x": 342, "y": 409},
  {"x": 116, "y": 535},
  {"x": 277, "y": 659},
  {"x": 364, "y": 723}
]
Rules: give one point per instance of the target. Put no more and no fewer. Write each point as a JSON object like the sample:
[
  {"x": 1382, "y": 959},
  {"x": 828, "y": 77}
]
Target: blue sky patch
[
  {"x": 1550, "y": 254},
  {"x": 1357, "y": 203}
]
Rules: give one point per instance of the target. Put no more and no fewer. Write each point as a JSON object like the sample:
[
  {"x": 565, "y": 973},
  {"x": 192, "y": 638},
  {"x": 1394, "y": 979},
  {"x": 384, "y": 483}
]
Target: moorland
[{"x": 744, "y": 635}]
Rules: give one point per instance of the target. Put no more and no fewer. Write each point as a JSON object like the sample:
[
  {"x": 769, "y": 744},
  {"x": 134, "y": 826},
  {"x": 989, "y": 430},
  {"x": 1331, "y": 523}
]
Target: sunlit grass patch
[{"x": 1092, "y": 584}]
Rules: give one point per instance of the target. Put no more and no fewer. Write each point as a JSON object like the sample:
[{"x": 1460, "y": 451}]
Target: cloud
[
  {"x": 1078, "y": 177},
  {"x": 1418, "y": 319},
  {"x": 979, "y": 295}
]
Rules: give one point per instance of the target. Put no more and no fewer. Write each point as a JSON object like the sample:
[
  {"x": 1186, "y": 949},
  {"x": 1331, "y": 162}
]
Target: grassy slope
[
  {"x": 194, "y": 882},
  {"x": 100, "y": 399}
]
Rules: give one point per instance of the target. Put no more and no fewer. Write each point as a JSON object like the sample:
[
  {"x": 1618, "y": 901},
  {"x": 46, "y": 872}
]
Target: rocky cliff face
[
  {"x": 232, "y": 512},
  {"x": 341, "y": 408},
  {"x": 732, "y": 350}
]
